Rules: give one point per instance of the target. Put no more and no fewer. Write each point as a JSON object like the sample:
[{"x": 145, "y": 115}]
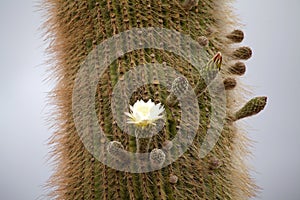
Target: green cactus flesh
[{"x": 75, "y": 28}]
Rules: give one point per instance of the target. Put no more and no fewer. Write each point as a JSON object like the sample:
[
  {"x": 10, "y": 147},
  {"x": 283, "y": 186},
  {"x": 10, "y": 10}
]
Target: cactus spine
[{"x": 75, "y": 27}]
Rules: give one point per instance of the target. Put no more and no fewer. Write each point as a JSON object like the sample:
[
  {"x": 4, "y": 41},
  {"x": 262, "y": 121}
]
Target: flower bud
[
  {"x": 236, "y": 36},
  {"x": 238, "y": 68},
  {"x": 114, "y": 148},
  {"x": 173, "y": 179},
  {"x": 229, "y": 83},
  {"x": 189, "y": 4},
  {"x": 157, "y": 157},
  {"x": 203, "y": 41},
  {"x": 243, "y": 53},
  {"x": 252, "y": 107}
]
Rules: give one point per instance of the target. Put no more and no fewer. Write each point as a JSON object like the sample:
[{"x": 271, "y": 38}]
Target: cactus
[{"x": 75, "y": 28}]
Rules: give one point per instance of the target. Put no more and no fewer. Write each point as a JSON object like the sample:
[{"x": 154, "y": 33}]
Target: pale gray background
[{"x": 272, "y": 30}]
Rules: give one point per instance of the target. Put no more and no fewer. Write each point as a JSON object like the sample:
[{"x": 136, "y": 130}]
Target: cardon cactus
[{"x": 196, "y": 165}]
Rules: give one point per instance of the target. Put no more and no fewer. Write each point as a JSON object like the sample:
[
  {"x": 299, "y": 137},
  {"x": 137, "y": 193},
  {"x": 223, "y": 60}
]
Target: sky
[{"x": 272, "y": 30}]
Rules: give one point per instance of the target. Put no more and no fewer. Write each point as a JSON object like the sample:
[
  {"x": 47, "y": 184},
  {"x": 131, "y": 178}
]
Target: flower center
[{"x": 144, "y": 110}]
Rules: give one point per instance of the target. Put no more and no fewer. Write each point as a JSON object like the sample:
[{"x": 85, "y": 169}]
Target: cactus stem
[
  {"x": 75, "y": 28},
  {"x": 137, "y": 141},
  {"x": 148, "y": 144}
]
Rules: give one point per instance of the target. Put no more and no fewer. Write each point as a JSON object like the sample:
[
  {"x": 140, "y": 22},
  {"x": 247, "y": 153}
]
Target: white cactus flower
[{"x": 143, "y": 114}]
